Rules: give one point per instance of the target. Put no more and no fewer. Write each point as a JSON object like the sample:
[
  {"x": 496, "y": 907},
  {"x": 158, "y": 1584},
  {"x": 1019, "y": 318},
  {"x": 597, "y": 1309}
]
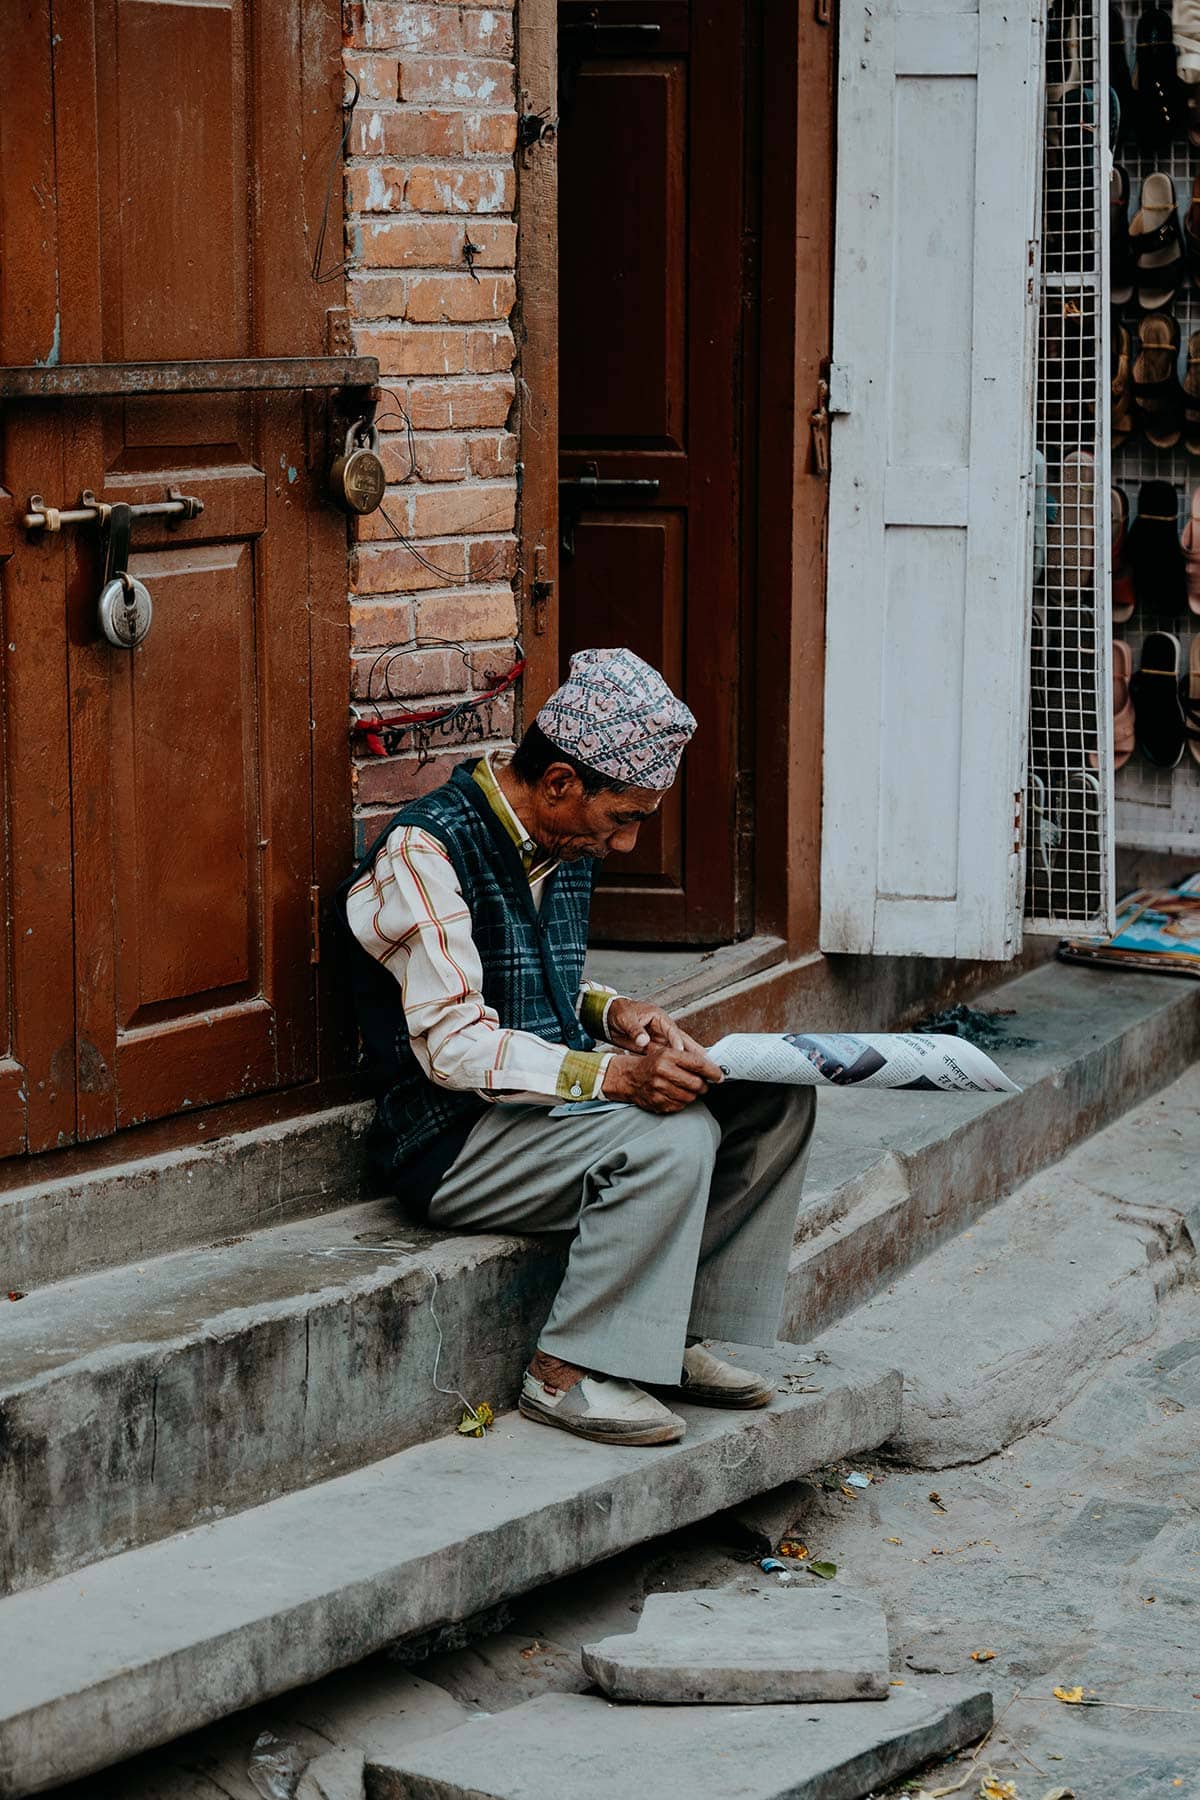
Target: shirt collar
[{"x": 485, "y": 775}]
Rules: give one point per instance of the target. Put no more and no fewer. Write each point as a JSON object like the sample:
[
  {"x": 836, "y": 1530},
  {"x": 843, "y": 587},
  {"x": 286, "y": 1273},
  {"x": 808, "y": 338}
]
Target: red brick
[
  {"x": 438, "y": 299},
  {"x": 377, "y": 622},
  {"x": 492, "y": 559},
  {"x": 433, "y": 243},
  {"x": 377, "y": 188},
  {"x": 470, "y": 617},
  {"x": 438, "y": 406},
  {"x": 377, "y": 76},
  {"x": 409, "y": 131},
  {"x": 388, "y": 782},
  {"x": 488, "y": 32},
  {"x": 493, "y": 456},
  {"x": 461, "y": 80},
  {"x": 437, "y": 30},
  {"x": 441, "y": 190},
  {"x": 441, "y": 456},
  {"x": 408, "y": 676},
  {"x": 449, "y": 512},
  {"x": 377, "y": 295},
  {"x": 490, "y": 134},
  {"x": 489, "y": 351},
  {"x": 413, "y": 350},
  {"x": 392, "y": 569}
]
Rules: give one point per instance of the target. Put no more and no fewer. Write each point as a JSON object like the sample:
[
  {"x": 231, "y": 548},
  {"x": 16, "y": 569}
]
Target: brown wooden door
[
  {"x": 651, "y": 278},
  {"x": 164, "y": 174}
]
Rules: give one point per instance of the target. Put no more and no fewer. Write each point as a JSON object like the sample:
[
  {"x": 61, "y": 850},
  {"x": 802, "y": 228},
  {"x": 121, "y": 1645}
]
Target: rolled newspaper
[{"x": 876, "y": 1059}]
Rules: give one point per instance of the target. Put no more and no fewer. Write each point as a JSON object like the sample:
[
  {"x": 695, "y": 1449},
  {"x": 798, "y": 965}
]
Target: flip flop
[
  {"x": 1123, "y": 597},
  {"x": 1120, "y": 261},
  {"x": 1191, "y": 552},
  {"x": 1157, "y": 244},
  {"x": 1071, "y": 537},
  {"x": 1123, "y": 416},
  {"x": 1191, "y": 705},
  {"x": 1124, "y": 720},
  {"x": 1161, "y": 725},
  {"x": 1157, "y": 394},
  {"x": 1191, "y": 397}
]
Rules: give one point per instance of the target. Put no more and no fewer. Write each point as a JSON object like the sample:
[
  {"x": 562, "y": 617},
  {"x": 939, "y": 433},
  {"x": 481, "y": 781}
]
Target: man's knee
[
  {"x": 779, "y": 1106},
  {"x": 685, "y": 1143}
]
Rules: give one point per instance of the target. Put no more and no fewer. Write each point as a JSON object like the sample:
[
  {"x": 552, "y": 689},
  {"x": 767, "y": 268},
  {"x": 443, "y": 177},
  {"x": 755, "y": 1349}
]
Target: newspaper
[{"x": 874, "y": 1059}]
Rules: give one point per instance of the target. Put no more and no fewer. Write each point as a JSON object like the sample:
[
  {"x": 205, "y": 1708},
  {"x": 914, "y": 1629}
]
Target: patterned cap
[{"x": 616, "y": 714}]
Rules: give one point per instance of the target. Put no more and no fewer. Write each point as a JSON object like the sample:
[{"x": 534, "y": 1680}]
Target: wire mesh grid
[
  {"x": 1156, "y": 808},
  {"x": 1068, "y": 839}
]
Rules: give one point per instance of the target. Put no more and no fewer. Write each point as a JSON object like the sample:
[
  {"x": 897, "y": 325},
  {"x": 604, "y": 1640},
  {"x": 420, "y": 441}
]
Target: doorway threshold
[{"x": 678, "y": 978}]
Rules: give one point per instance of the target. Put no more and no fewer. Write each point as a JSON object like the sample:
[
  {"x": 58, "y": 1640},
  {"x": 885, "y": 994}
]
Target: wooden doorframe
[{"x": 790, "y": 55}]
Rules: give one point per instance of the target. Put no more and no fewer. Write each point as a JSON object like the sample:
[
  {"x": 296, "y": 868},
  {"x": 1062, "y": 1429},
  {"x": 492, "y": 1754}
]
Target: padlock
[
  {"x": 356, "y": 479},
  {"x": 126, "y": 611}
]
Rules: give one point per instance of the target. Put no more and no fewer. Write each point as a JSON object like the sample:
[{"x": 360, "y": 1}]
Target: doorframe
[{"x": 790, "y": 68}]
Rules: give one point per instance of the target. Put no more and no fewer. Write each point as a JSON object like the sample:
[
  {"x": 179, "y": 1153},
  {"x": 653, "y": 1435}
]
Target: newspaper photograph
[{"x": 869, "y": 1060}]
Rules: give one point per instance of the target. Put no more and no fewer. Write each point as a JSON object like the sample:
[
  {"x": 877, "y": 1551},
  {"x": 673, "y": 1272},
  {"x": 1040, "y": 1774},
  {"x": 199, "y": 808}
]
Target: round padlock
[
  {"x": 126, "y": 611},
  {"x": 357, "y": 480}
]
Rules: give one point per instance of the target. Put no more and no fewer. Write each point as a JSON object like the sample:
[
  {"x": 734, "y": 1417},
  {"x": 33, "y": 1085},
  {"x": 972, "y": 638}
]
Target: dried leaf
[
  {"x": 937, "y": 1500},
  {"x": 983, "y": 1656},
  {"x": 789, "y": 1547},
  {"x": 992, "y": 1789},
  {"x": 893, "y": 1540},
  {"x": 826, "y": 1570},
  {"x": 1069, "y": 1696}
]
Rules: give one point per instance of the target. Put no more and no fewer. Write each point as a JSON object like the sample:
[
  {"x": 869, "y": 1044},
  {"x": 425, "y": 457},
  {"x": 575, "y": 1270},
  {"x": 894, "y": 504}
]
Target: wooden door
[
  {"x": 165, "y": 172},
  {"x": 650, "y": 370}
]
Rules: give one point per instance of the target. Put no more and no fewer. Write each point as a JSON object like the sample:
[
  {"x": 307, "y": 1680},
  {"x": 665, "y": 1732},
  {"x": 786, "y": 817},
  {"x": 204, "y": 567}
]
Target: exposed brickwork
[{"x": 429, "y": 170}]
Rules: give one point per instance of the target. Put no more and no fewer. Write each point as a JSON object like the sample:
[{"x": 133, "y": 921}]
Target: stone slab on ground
[
  {"x": 998, "y": 1330},
  {"x": 143, "y": 1646},
  {"x": 754, "y": 1646},
  {"x": 573, "y": 1747}
]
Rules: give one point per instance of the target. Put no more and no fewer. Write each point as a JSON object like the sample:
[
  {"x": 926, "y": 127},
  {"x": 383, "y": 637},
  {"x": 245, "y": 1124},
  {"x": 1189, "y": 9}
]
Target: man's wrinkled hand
[
  {"x": 636, "y": 1025},
  {"x": 661, "y": 1079}
]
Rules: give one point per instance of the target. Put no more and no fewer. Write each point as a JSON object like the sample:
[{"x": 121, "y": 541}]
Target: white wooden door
[{"x": 932, "y": 455}]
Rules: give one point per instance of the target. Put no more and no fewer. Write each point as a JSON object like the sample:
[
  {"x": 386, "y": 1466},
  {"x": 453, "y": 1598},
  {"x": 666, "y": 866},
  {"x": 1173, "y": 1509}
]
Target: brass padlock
[{"x": 356, "y": 479}]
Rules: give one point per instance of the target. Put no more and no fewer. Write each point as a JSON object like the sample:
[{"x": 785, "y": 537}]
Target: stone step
[
  {"x": 570, "y": 1745},
  {"x": 143, "y": 1646},
  {"x": 894, "y": 1175},
  {"x": 140, "y": 1400},
  {"x": 134, "y": 1206}
]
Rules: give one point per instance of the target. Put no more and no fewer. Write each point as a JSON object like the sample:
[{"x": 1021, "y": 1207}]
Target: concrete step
[
  {"x": 135, "y": 1205},
  {"x": 894, "y": 1175},
  {"x": 140, "y": 1400},
  {"x": 141, "y": 1647}
]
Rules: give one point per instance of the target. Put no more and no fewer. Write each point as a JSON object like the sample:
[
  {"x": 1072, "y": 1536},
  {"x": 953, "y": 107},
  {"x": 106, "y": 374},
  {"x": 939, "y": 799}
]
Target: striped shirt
[{"x": 408, "y": 911}]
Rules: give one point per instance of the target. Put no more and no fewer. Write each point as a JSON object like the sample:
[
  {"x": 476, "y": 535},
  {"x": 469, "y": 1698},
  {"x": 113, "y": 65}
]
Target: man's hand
[
  {"x": 661, "y": 1079},
  {"x": 636, "y": 1026}
]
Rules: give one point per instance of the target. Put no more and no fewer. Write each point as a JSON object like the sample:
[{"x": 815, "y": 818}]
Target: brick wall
[{"x": 429, "y": 170}]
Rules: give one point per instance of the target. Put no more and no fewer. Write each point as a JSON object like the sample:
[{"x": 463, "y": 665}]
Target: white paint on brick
[
  {"x": 381, "y": 196},
  {"x": 487, "y": 24},
  {"x": 375, "y": 128},
  {"x": 463, "y": 88}
]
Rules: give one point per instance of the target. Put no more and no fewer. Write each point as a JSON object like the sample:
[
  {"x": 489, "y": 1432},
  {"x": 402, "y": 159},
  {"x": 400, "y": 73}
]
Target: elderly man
[{"x": 520, "y": 1097}]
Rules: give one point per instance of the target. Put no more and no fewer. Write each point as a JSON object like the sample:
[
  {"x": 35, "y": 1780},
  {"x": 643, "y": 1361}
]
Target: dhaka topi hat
[{"x": 616, "y": 715}]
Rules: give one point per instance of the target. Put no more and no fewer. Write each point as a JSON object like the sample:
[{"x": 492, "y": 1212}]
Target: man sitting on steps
[{"x": 681, "y": 1202}]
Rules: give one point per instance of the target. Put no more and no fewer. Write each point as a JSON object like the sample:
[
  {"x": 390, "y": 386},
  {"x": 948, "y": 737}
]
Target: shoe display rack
[
  {"x": 1157, "y": 807},
  {"x": 1069, "y": 810}
]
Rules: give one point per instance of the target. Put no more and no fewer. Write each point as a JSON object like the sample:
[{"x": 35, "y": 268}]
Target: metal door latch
[
  {"x": 818, "y": 419},
  {"x": 590, "y": 490},
  {"x": 41, "y": 517}
]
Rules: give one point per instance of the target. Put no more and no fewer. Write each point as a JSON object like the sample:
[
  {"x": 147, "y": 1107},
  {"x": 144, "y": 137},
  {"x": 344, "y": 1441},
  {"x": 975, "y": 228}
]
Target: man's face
[{"x": 573, "y": 824}]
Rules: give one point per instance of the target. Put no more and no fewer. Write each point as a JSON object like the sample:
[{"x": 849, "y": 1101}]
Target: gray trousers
[{"x": 681, "y": 1224}]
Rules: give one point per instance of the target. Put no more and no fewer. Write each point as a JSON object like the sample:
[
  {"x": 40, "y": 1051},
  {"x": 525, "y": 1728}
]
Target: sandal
[
  {"x": 1191, "y": 552},
  {"x": 1157, "y": 244},
  {"x": 1071, "y": 537},
  {"x": 1191, "y": 397},
  {"x": 1120, "y": 262},
  {"x": 1191, "y": 233},
  {"x": 1123, "y": 418},
  {"x": 1161, "y": 726},
  {"x": 1191, "y": 703},
  {"x": 1123, "y": 598},
  {"x": 1124, "y": 724},
  {"x": 1156, "y": 80},
  {"x": 1158, "y": 397},
  {"x": 1155, "y": 553}
]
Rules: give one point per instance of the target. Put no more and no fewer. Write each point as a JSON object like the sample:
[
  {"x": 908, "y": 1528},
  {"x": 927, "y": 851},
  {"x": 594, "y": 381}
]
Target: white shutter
[{"x": 929, "y": 570}]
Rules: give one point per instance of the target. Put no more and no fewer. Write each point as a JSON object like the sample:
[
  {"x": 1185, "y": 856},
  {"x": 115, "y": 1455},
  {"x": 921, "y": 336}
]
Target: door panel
[
  {"x": 180, "y": 210},
  {"x": 650, "y": 385}
]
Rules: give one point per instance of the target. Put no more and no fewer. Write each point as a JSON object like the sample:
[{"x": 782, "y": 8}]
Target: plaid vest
[{"x": 532, "y": 967}]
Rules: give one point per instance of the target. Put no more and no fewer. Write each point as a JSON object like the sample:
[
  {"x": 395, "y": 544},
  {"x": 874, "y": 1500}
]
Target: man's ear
[{"x": 559, "y": 783}]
